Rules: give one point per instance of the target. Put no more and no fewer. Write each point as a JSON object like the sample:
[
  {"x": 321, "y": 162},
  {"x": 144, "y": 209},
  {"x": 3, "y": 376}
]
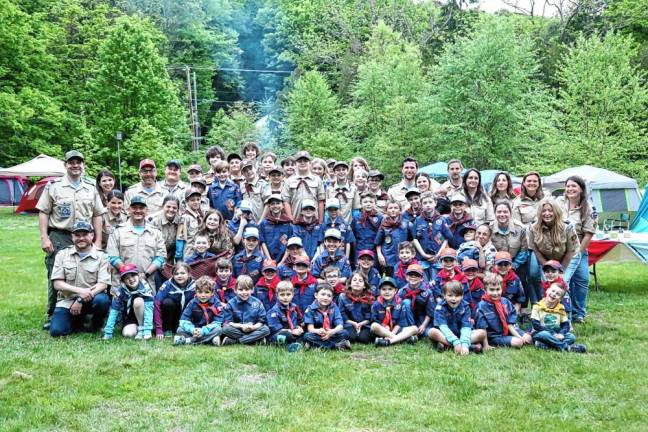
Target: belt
[{"x": 62, "y": 231}]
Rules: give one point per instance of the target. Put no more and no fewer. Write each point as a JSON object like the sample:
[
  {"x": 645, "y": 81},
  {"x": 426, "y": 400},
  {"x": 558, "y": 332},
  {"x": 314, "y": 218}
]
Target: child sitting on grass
[
  {"x": 244, "y": 316},
  {"x": 224, "y": 283},
  {"x": 452, "y": 322},
  {"x": 497, "y": 316},
  {"x": 551, "y": 329},
  {"x": 325, "y": 328},
  {"x": 552, "y": 271},
  {"x": 202, "y": 318},
  {"x": 390, "y": 321},
  {"x": 171, "y": 299},
  {"x": 355, "y": 306},
  {"x": 134, "y": 302},
  {"x": 285, "y": 319}
]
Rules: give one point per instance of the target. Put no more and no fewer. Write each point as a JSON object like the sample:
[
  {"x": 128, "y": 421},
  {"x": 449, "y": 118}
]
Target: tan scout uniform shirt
[
  {"x": 555, "y": 252},
  {"x": 139, "y": 249},
  {"x": 109, "y": 224},
  {"x": 588, "y": 225},
  {"x": 253, "y": 192},
  {"x": 513, "y": 239},
  {"x": 525, "y": 210},
  {"x": 177, "y": 190},
  {"x": 153, "y": 199},
  {"x": 187, "y": 230},
  {"x": 346, "y": 194},
  {"x": 81, "y": 273},
  {"x": 169, "y": 230},
  {"x": 66, "y": 204},
  {"x": 397, "y": 193},
  {"x": 297, "y": 188},
  {"x": 452, "y": 189},
  {"x": 482, "y": 213}
]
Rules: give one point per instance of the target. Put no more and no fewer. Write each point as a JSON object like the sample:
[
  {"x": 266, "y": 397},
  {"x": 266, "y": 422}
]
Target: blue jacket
[
  {"x": 514, "y": 290},
  {"x": 122, "y": 305},
  {"x": 277, "y": 317},
  {"x": 455, "y": 323},
  {"x": 353, "y": 311},
  {"x": 486, "y": 317},
  {"x": 304, "y": 291},
  {"x": 249, "y": 265},
  {"x": 197, "y": 257},
  {"x": 431, "y": 235},
  {"x": 311, "y": 239},
  {"x": 226, "y": 198},
  {"x": 314, "y": 315},
  {"x": 233, "y": 226},
  {"x": 275, "y": 236},
  {"x": 339, "y": 260},
  {"x": 457, "y": 238},
  {"x": 419, "y": 308},
  {"x": 285, "y": 271},
  {"x": 365, "y": 234},
  {"x": 374, "y": 280},
  {"x": 401, "y": 316},
  {"x": 180, "y": 295},
  {"x": 390, "y": 238},
  {"x": 250, "y": 311},
  {"x": 340, "y": 225},
  {"x": 198, "y": 314}
]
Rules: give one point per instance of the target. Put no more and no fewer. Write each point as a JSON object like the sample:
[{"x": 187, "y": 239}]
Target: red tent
[{"x": 30, "y": 198}]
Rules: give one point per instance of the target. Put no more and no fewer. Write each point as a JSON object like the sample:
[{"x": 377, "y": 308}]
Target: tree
[
  {"x": 603, "y": 100},
  {"x": 132, "y": 85},
  {"x": 231, "y": 128},
  {"x": 491, "y": 110}
]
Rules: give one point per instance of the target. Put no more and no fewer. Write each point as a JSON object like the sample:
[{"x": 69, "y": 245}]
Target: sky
[{"x": 495, "y": 5}]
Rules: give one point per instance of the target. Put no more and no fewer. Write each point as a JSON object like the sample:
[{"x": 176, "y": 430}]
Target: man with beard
[
  {"x": 454, "y": 184},
  {"x": 397, "y": 192},
  {"x": 172, "y": 185},
  {"x": 147, "y": 187}
]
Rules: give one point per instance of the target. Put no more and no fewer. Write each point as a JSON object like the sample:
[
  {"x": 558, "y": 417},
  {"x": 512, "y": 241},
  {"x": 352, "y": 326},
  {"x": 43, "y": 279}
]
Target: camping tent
[
  {"x": 610, "y": 192},
  {"x": 40, "y": 166},
  {"x": 437, "y": 169},
  {"x": 11, "y": 189},
  {"x": 640, "y": 223},
  {"x": 30, "y": 198}
]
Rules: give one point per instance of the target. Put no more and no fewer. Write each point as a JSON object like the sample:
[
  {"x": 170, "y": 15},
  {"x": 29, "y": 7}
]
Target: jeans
[
  {"x": 316, "y": 340},
  {"x": 63, "y": 322},
  {"x": 60, "y": 240},
  {"x": 577, "y": 277},
  {"x": 534, "y": 276},
  {"x": 551, "y": 341},
  {"x": 246, "y": 338}
]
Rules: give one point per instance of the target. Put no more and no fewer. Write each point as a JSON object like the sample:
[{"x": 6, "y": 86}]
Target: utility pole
[
  {"x": 197, "y": 118},
  {"x": 194, "y": 146}
]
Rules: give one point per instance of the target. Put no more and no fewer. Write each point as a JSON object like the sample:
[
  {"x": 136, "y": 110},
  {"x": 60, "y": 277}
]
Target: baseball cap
[
  {"x": 466, "y": 226},
  {"x": 387, "y": 281},
  {"x": 138, "y": 200},
  {"x": 269, "y": 264},
  {"x": 175, "y": 163},
  {"x": 233, "y": 156},
  {"x": 276, "y": 170},
  {"x": 251, "y": 232},
  {"x": 333, "y": 203},
  {"x": 503, "y": 257},
  {"x": 74, "y": 154},
  {"x": 333, "y": 233},
  {"x": 376, "y": 173},
  {"x": 302, "y": 155},
  {"x": 302, "y": 259},
  {"x": 295, "y": 241},
  {"x": 287, "y": 159},
  {"x": 195, "y": 167},
  {"x": 340, "y": 163},
  {"x": 272, "y": 197},
  {"x": 307, "y": 202},
  {"x": 553, "y": 264},
  {"x": 447, "y": 253},
  {"x": 415, "y": 268},
  {"x": 128, "y": 269},
  {"x": 199, "y": 181},
  {"x": 469, "y": 264},
  {"x": 147, "y": 162},
  {"x": 367, "y": 252},
  {"x": 82, "y": 226},
  {"x": 411, "y": 192},
  {"x": 247, "y": 164},
  {"x": 458, "y": 198},
  {"x": 245, "y": 206},
  {"x": 190, "y": 192}
]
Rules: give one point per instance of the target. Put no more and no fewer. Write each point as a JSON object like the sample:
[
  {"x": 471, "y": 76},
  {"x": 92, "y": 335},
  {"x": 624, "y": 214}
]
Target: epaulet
[
  {"x": 87, "y": 180},
  {"x": 55, "y": 180}
]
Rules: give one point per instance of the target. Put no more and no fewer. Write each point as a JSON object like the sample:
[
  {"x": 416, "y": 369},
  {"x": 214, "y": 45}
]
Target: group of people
[{"x": 306, "y": 252}]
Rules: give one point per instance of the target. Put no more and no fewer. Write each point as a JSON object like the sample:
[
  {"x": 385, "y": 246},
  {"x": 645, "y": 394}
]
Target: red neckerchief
[
  {"x": 289, "y": 312},
  {"x": 475, "y": 284},
  {"x": 365, "y": 298},
  {"x": 339, "y": 288},
  {"x": 401, "y": 271},
  {"x": 246, "y": 259},
  {"x": 368, "y": 217},
  {"x": 430, "y": 219},
  {"x": 411, "y": 294},
  {"x": 197, "y": 214},
  {"x": 274, "y": 220},
  {"x": 207, "y": 307},
  {"x": 220, "y": 289},
  {"x": 390, "y": 223},
  {"x": 331, "y": 260},
  {"x": 387, "y": 321},
  {"x": 455, "y": 223},
  {"x": 249, "y": 187},
  {"x": 458, "y": 275},
  {"x": 271, "y": 286},
  {"x": 302, "y": 284},
  {"x": 309, "y": 226},
  {"x": 326, "y": 324},
  {"x": 501, "y": 311},
  {"x": 508, "y": 277},
  {"x": 559, "y": 280}
]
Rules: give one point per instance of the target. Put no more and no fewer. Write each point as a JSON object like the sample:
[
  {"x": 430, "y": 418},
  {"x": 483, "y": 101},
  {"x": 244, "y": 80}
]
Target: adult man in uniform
[
  {"x": 172, "y": 185},
  {"x": 303, "y": 184},
  {"x": 397, "y": 192},
  {"x": 64, "y": 202},
  {"x": 454, "y": 184},
  {"x": 138, "y": 243},
  {"x": 146, "y": 188},
  {"x": 80, "y": 277}
]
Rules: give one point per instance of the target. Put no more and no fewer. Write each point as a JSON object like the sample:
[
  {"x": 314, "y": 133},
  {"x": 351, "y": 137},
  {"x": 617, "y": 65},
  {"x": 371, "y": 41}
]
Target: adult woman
[
  {"x": 357, "y": 163},
  {"x": 502, "y": 188},
  {"x": 426, "y": 184},
  {"x": 105, "y": 183},
  {"x": 220, "y": 240},
  {"x": 167, "y": 221},
  {"x": 481, "y": 207},
  {"x": 525, "y": 207},
  {"x": 114, "y": 216},
  {"x": 550, "y": 238},
  {"x": 579, "y": 213}
]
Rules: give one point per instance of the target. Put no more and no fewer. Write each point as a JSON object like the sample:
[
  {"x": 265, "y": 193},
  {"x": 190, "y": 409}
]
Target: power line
[{"x": 260, "y": 71}]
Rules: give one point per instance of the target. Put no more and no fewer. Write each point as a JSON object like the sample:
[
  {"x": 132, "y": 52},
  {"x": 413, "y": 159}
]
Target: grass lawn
[{"x": 82, "y": 383}]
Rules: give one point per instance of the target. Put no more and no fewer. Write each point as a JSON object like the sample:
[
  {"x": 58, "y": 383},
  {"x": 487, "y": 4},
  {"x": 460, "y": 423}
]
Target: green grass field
[{"x": 82, "y": 383}]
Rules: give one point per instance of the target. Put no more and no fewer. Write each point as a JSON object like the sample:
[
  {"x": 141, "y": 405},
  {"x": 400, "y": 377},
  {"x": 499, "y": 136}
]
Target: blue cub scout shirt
[
  {"x": 250, "y": 311},
  {"x": 455, "y": 319},
  {"x": 225, "y": 198},
  {"x": 353, "y": 311},
  {"x": 277, "y": 317},
  {"x": 314, "y": 316},
  {"x": 195, "y": 314},
  {"x": 486, "y": 317}
]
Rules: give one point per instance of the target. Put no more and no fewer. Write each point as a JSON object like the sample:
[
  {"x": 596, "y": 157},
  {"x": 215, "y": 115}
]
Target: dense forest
[{"x": 380, "y": 78}]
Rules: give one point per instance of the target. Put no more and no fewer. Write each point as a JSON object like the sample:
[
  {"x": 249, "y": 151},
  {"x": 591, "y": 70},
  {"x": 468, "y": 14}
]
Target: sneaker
[
  {"x": 578, "y": 319},
  {"x": 577, "y": 348},
  {"x": 47, "y": 325},
  {"x": 228, "y": 341},
  {"x": 294, "y": 347},
  {"x": 344, "y": 345},
  {"x": 412, "y": 340},
  {"x": 139, "y": 335},
  {"x": 216, "y": 341},
  {"x": 440, "y": 347},
  {"x": 168, "y": 334},
  {"x": 476, "y": 348},
  {"x": 180, "y": 340},
  {"x": 307, "y": 345},
  {"x": 541, "y": 345},
  {"x": 382, "y": 342},
  {"x": 281, "y": 339}
]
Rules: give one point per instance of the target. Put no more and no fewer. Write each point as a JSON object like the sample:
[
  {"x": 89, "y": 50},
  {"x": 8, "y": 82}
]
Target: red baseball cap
[
  {"x": 415, "y": 268},
  {"x": 367, "y": 252},
  {"x": 147, "y": 162}
]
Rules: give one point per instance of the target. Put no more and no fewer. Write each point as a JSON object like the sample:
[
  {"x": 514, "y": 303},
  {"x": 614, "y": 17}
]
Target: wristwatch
[{"x": 78, "y": 299}]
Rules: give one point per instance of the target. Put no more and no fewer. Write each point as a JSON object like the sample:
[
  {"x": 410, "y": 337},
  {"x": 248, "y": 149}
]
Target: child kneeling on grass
[
  {"x": 452, "y": 322},
  {"x": 324, "y": 322},
  {"x": 134, "y": 302},
  {"x": 551, "y": 324},
  {"x": 390, "y": 321},
  {"x": 496, "y": 314},
  {"x": 245, "y": 316},
  {"x": 285, "y": 319},
  {"x": 202, "y": 318}
]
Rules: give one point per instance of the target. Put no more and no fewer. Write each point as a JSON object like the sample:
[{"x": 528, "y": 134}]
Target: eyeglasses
[{"x": 448, "y": 260}]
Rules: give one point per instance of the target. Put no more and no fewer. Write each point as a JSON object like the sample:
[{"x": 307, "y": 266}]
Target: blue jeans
[
  {"x": 551, "y": 341},
  {"x": 534, "y": 276},
  {"x": 577, "y": 277},
  {"x": 63, "y": 322}
]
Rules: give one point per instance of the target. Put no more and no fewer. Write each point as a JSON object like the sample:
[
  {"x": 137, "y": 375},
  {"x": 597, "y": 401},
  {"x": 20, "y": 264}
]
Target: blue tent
[
  {"x": 437, "y": 169},
  {"x": 640, "y": 222}
]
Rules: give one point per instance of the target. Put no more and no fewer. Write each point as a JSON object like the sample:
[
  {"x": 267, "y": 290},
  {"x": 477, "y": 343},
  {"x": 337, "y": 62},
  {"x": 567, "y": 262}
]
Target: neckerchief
[
  {"x": 339, "y": 288},
  {"x": 508, "y": 277},
  {"x": 308, "y": 226},
  {"x": 457, "y": 276},
  {"x": 278, "y": 220},
  {"x": 390, "y": 223},
  {"x": 246, "y": 259},
  {"x": 413, "y": 213},
  {"x": 388, "y": 321},
  {"x": 302, "y": 284},
  {"x": 455, "y": 223},
  {"x": 501, "y": 311},
  {"x": 368, "y": 217},
  {"x": 249, "y": 188},
  {"x": 401, "y": 271},
  {"x": 331, "y": 260},
  {"x": 289, "y": 312},
  {"x": 271, "y": 285},
  {"x": 340, "y": 193},
  {"x": 143, "y": 290},
  {"x": 326, "y": 323},
  {"x": 475, "y": 284},
  {"x": 175, "y": 289},
  {"x": 365, "y": 298},
  {"x": 221, "y": 289},
  {"x": 411, "y": 294},
  {"x": 430, "y": 219},
  {"x": 197, "y": 214},
  {"x": 206, "y": 307}
]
